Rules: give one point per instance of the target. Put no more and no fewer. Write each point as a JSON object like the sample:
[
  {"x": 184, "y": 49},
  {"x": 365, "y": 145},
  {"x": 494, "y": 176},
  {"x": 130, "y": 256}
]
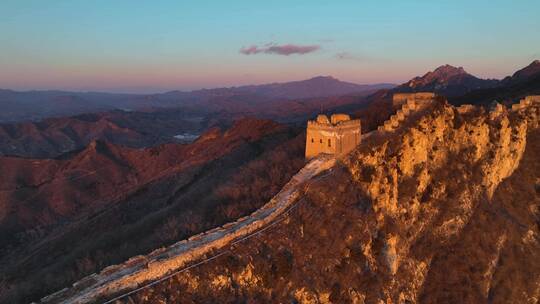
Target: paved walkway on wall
[
  {"x": 410, "y": 108},
  {"x": 143, "y": 271}
]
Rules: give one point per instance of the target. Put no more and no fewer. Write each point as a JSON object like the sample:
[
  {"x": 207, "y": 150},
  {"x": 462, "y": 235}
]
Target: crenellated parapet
[
  {"x": 526, "y": 102},
  {"x": 341, "y": 125},
  {"x": 410, "y": 102},
  {"x": 401, "y": 98},
  {"x": 465, "y": 108}
]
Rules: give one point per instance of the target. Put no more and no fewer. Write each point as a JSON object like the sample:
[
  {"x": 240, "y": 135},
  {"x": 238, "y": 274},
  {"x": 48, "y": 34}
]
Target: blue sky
[{"x": 145, "y": 46}]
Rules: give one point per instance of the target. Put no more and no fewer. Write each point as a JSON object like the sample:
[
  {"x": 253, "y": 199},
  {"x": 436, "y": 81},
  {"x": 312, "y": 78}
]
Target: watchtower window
[
  {"x": 312, "y": 140},
  {"x": 329, "y": 142},
  {"x": 320, "y": 140}
]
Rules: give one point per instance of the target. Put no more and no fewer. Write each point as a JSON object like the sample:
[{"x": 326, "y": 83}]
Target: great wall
[
  {"x": 140, "y": 272},
  {"x": 410, "y": 102},
  {"x": 142, "y": 269}
]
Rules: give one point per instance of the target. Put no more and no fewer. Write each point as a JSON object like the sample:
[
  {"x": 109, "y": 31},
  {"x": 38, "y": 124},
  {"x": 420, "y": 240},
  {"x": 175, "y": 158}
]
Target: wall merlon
[
  {"x": 401, "y": 98},
  {"x": 530, "y": 100},
  {"x": 228, "y": 225},
  {"x": 394, "y": 120},
  {"x": 408, "y": 102},
  {"x": 533, "y": 98},
  {"x": 465, "y": 108}
]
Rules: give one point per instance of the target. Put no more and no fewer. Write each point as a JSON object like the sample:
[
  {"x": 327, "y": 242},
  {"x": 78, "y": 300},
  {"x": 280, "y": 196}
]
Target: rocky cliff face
[{"x": 445, "y": 209}]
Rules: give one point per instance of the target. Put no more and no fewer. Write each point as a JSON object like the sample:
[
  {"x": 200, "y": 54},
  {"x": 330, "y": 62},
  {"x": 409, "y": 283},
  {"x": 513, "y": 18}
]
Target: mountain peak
[
  {"x": 533, "y": 69},
  {"x": 445, "y": 71},
  {"x": 534, "y": 65},
  {"x": 442, "y": 75},
  {"x": 321, "y": 77},
  {"x": 446, "y": 80}
]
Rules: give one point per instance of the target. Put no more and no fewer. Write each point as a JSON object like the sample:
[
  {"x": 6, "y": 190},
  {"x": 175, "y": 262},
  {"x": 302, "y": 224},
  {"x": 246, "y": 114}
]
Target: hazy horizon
[
  {"x": 156, "y": 90},
  {"x": 150, "y": 48}
]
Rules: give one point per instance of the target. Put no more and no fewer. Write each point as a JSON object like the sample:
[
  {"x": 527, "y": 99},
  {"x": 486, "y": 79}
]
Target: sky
[{"x": 154, "y": 46}]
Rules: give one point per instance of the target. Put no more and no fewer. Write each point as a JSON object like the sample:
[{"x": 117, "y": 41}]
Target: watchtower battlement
[
  {"x": 337, "y": 135},
  {"x": 399, "y": 99},
  {"x": 525, "y": 102},
  {"x": 408, "y": 103}
]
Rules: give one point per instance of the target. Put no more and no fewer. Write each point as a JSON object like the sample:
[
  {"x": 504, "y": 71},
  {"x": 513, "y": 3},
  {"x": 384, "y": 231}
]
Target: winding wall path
[{"x": 140, "y": 270}]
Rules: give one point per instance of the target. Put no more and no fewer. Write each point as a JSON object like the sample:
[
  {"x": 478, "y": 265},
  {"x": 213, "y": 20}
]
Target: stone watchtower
[{"x": 337, "y": 135}]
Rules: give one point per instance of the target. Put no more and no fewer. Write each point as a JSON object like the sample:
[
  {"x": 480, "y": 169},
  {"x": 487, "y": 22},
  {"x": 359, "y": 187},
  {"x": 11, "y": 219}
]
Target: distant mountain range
[
  {"x": 524, "y": 82},
  {"x": 321, "y": 86},
  {"x": 447, "y": 80},
  {"x": 461, "y": 87},
  {"x": 36, "y": 105},
  {"x": 452, "y": 82},
  {"x": 159, "y": 117}
]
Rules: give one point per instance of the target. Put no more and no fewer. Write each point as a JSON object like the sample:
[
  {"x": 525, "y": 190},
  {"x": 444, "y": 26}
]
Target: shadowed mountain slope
[
  {"x": 61, "y": 219},
  {"x": 56, "y": 136}
]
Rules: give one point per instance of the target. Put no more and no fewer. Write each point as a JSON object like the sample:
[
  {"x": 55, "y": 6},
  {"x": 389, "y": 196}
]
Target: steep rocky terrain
[
  {"x": 445, "y": 209},
  {"x": 61, "y": 219}
]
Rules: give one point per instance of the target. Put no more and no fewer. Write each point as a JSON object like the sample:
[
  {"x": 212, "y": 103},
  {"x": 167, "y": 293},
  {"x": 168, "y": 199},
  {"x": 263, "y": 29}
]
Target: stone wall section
[
  {"x": 409, "y": 105},
  {"x": 399, "y": 99},
  {"x": 526, "y": 102},
  {"x": 140, "y": 270}
]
